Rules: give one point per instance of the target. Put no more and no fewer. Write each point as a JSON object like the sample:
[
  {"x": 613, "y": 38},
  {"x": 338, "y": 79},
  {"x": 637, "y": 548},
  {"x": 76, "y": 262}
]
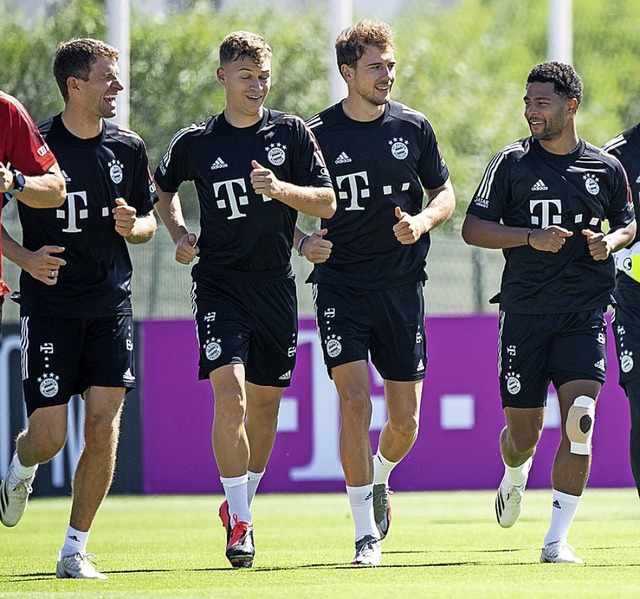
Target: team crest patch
[
  {"x": 49, "y": 385},
  {"x": 399, "y": 148},
  {"x": 115, "y": 171},
  {"x": 591, "y": 184},
  {"x": 626, "y": 361},
  {"x": 334, "y": 347},
  {"x": 276, "y": 154},
  {"x": 513, "y": 383},
  {"x": 212, "y": 349}
]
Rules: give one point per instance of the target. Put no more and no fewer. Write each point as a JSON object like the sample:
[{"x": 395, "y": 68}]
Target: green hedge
[{"x": 464, "y": 66}]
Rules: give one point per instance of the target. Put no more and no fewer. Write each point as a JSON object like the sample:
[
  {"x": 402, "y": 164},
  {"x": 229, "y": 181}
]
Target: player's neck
[
  {"x": 241, "y": 120},
  {"x": 358, "y": 109},
  {"x": 80, "y": 125},
  {"x": 565, "y": 144}
]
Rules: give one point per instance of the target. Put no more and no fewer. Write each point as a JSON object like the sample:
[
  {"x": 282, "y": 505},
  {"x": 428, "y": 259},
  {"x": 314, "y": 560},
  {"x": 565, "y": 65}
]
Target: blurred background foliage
[{"x": 464, "y": 65}]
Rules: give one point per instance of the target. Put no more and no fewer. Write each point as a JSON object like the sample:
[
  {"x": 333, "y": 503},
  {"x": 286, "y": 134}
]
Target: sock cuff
[
  {"x": 234, "y": 481},
  {"x": 566, "y": 498},
  {"x": 384, "y": 461}
]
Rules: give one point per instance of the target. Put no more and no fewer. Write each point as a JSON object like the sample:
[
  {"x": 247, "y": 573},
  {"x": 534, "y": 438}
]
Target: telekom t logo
[
  {"x": 550, "y": 212},
  {"x": 234, "y": 201},
  {"x": 76, "y": 210},
  {"x": 352, "y": 191}
]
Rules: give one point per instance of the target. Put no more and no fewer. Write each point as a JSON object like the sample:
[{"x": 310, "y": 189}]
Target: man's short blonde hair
[{"x": 241, "y": 44}]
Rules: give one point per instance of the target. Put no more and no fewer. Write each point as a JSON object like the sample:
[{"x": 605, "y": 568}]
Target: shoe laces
[
  {"x": 514, "y": 495},
  {"x": 555, "y": 548},
  {"x": 22, "y": 488},
  {"x": 239, "y": 532},
  {"x": 77, "y": 559}
]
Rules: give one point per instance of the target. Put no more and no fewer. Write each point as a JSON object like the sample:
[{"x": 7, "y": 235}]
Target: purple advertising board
[{"x": 461, "y": 417}]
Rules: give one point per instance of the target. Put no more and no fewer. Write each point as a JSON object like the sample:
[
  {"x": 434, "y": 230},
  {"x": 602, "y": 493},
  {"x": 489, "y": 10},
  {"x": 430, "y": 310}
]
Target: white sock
[
  {"x": 74, "y": 542},
  {"x": 517, "y": 477},
  {"x": 235, "y": 488},
  {"x": 563, "y": 511},
  {"x": 21, "y": 471},
  {"x": 361, "y": 502},
  {"x": 382, "y": 469},
  {"x": 253, "y": 481}
]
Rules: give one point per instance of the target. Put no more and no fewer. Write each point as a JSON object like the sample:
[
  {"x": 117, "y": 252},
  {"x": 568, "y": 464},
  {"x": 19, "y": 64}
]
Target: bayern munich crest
[
  {"x": 626, "y": 361},
  {"x": 115, "y": 171},
  {"x": 334, "y": 347},
  {"x": 399, "y": 148},
  {"x": 591, "y": 184},
  {"x": 212, "y": 349},
  {"x": 275, "y": 153},
  {"x": 49, "y": 385},
  {"x": 513, "y": 383}
]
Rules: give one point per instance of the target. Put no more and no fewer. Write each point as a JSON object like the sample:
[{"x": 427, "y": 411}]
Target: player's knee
[
  {"x": 579, "y": 425},
  {"x": 355, "y": 404},
  {"x": 405, "y": 427}
]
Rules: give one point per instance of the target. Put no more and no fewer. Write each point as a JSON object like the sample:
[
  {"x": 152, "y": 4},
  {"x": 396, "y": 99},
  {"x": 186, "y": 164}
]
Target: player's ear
[
  {"x": 220, "y": 75},
  {"x": 72, "y": 84},
  {"x": 346, "y": 71}
]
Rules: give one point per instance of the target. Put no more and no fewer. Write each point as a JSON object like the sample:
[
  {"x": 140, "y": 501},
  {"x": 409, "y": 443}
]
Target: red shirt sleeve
[{"x": 21, "y": 143}]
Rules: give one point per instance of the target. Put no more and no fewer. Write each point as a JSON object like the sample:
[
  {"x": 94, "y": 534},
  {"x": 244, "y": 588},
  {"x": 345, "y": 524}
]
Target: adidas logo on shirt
[
  {"x": 539, "y": 186},
  {"x": 219, "y": 163},
  {"x": 343, "y": 158}
]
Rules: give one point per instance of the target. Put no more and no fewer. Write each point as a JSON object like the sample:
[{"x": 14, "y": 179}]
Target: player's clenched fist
[
  {"x": 597, "y": 243},
  {"x": 407, "y": 229},
  {"x": 125, "y": 217},
  {"x": 264, "y": 181},
  {"x": 186, "y": 249}
]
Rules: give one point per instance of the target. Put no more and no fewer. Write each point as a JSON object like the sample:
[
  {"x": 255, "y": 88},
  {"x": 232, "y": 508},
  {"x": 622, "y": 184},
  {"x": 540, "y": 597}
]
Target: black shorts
[
  {"x": 536, "y": 349},
  {"x": 62, "y": 357},
  {"x": 252, "y": 323},
  {"x": 626, "y": 330},
  {"x": 386, "y": 323}
]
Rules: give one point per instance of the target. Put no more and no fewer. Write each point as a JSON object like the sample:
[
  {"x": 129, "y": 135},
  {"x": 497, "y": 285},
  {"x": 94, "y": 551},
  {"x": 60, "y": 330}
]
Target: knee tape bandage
[{"x": 579, "y": 424}]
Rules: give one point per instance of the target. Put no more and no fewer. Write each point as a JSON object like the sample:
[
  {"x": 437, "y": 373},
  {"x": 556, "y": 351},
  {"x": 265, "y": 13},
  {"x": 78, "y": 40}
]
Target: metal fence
[{"x": 461, "y": 278}]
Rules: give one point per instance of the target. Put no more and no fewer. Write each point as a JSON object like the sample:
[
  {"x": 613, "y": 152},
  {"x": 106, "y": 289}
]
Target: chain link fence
[{"x": 461, "y": 278}]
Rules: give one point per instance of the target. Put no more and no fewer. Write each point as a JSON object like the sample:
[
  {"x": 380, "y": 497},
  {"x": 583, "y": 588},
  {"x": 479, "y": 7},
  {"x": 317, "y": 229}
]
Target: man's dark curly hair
[{"x": 566, "y": 82}]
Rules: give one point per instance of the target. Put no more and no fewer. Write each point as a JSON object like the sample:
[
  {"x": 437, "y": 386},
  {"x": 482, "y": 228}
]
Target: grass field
[{"x": 441, "y": 545}]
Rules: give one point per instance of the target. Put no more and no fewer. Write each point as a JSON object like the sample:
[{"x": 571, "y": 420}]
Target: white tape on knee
[{"x": 579, "y": 426}]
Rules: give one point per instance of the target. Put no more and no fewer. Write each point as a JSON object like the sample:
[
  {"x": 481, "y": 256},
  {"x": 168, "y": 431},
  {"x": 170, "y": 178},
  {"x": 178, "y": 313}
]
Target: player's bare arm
[
  {"x": 315, "y": 201},
  {"x": 314, "y": 247},
  {"x": 440, "y": 206},
  {"x": 601, "y": 246},
  {"x": 170, "y": 211},
  {"x": 135, "y": 228},
  {"x": 42, "y": 265},
  {"x": 40, "y": 191},
  {"x": 492, "y": 235}
]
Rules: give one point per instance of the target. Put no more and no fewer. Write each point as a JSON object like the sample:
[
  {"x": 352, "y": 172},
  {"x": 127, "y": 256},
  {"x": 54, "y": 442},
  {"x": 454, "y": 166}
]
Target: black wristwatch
[{"x": 18, "y": 182}]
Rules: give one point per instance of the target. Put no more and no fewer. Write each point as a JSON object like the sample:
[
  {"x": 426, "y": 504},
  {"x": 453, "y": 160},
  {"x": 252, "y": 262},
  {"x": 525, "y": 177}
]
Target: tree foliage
[{"x": 463, "y": 65}]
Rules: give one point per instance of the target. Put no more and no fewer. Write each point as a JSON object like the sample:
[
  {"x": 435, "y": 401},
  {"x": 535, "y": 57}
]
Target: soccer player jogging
[
  {"x": 369, "y": 268},
  {"x": 626, "y": 316},
  {"x": 28, "y": 169},
  {"x": 543, "y": 200},
  {"x": 254, "y": 168},
  {"x": 75, "y": 297}
]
